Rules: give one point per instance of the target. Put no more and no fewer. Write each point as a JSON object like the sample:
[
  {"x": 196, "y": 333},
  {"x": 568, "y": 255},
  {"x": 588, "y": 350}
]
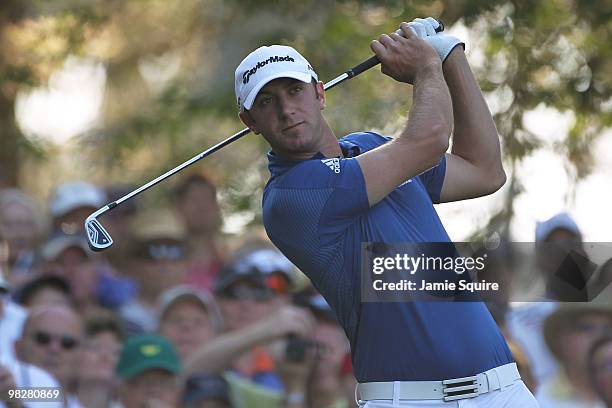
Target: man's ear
[
  {"x": 320, "y": 89},
  {"x": 248, "y": 120}
]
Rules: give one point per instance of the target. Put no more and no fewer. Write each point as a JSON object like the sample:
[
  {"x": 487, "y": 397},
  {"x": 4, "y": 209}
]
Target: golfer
[{"x": 327, "y": 196}]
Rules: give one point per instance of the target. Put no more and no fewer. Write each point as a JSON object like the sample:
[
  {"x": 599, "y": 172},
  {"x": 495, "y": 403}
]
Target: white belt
[{"x": 447, "y": 390}]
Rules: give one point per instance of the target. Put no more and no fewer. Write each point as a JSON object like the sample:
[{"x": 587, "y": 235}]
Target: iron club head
[{"x": 97, "y": 237}]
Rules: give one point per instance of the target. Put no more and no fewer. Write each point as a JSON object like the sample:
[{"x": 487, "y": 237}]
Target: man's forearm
[
  {"x": 475, "y": 137},
  {"x": 221, "y": 351},
  {"x": 431, "y": 108},
  {"x": 425, "y": 138}
]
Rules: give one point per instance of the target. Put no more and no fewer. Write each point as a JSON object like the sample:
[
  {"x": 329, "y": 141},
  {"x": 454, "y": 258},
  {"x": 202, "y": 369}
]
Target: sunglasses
[
  {"x": 66, "y": 342},
  {"x": 155, "y": 252},
  {"x": 246, "y": 292}
]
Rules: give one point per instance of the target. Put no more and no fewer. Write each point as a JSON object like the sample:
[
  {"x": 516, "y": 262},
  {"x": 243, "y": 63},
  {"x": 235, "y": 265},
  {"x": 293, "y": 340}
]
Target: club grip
[{"x": 372, "y": 61}]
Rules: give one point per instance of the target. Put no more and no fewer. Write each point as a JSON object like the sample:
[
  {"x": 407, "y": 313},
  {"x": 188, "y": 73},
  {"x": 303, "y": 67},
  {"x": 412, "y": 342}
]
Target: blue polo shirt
[{"x": 317, "y": 213}]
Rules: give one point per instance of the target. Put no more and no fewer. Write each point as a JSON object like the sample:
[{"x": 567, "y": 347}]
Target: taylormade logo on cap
[
  {"x": 247, "y": 75},
  {"x": 266, "y": 64}
]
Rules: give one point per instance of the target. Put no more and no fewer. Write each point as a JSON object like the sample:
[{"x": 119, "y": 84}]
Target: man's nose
[
  {"x": 286, "y": 107},
  {"x": 54, "y": 347}
]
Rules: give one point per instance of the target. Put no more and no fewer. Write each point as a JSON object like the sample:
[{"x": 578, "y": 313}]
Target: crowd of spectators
[{"x": 177, "y": 315}]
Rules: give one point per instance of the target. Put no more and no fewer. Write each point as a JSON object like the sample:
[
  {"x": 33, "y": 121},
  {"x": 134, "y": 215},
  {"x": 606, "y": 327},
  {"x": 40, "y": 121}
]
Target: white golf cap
[
  {"x": 185, "y": 292},
  {"x": 75, "y": 194},
  {"x": 60, "y": 242},
  {"x": 559, "y": 221},
  {"x": 266, "y": 64}
]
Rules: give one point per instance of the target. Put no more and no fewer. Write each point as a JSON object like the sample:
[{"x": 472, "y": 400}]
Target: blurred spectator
[
  {"x": 196, "y": 201},
  {"x": 254, "y": 285},
  {"x": 157, "y": 262},
  {"x": 188, "y": 318},
  {"x": 253, "y": 293},
  {"x": 562, "y": 260},
  {"x": 600, "y": 368},
  {"x": 252, "y": 372},
  {"x": 524, "y": 321},
  {"x": 206, "y": 391},
  {"x": 570, "y": 332},
  {"x": 499, "y": 267},
  {"x": 43, "y": 291},
  {"x": 71, "y": 203},
  {"x": 51, "y": 339},
  {"x": 603, "y": 284},
  {"x": 97, "y": 381},
  {"x": 69, "y": 257},
  {"x": 92, "y": 283},
  {"x": 114, "y": 288},
  {"x": 310, "y": 298},
  {"x": 325, "y": 383},
  {"x": 14, "y": 373},
  {"x": 12, "y": 317},
  {"x": 149, "y": 370},
  {"x": 117, "y": 222},
  {"x": 22, "y": 226},
  {"x": 4, "y": 255},
  {"x": 4, "y": 284}
]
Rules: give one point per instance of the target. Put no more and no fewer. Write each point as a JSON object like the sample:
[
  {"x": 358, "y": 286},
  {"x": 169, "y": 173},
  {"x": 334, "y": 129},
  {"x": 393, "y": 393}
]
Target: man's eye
[
  {"x": 264, "y": 101},
  {"x": 296, "y": 89}
]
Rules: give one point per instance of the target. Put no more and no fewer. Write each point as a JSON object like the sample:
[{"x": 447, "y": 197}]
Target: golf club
[{"x": 99, "y": 239}]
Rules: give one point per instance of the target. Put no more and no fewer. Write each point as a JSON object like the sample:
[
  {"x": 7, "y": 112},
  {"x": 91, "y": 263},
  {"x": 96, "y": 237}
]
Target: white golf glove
[{"x": 425, "y": 28}]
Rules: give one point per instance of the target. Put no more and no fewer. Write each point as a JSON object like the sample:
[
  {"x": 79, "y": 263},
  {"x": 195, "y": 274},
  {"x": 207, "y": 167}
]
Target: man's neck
[
  {"x": 329, "y": 143},
  {"x": 328, "y": 147}
]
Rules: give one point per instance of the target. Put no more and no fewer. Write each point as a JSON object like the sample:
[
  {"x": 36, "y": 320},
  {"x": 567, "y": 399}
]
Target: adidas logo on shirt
[{"x": 332, "y": 164}]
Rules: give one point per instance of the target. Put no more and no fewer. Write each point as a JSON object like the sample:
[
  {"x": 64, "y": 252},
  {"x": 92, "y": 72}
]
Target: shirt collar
[
  {"x": 278, "y": 165},
  {"x": 349, "y": 149}
]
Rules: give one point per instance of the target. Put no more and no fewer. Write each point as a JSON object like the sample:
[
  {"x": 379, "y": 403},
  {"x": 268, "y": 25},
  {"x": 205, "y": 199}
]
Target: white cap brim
[
  {"x": 171, "y": 296},
  {"x": 300, "y": 76},
  {"x": 55, "y": 246}
]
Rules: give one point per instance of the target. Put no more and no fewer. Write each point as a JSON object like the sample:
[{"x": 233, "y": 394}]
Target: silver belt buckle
[{"x": 460, "y": 388}]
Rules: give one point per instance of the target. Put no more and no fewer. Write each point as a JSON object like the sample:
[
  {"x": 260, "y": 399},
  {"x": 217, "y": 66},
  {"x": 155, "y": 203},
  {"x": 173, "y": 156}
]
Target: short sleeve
[
  {"x": 433, "y": 179},
  {"x": 341, "y": 179},
  {"x": 324, "y": 194}
]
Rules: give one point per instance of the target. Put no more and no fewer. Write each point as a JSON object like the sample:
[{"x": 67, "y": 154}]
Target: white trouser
[{"x": 515, "y": 395}]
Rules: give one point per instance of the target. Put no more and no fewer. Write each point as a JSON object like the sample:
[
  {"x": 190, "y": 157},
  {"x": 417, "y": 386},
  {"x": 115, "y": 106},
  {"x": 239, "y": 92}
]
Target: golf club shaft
[
  {"x": 351, "y": 73},
  {"x": 220, "y": 145},
  {"x": 356, "y": 70},
  {"x": 180, "y": 167}
]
